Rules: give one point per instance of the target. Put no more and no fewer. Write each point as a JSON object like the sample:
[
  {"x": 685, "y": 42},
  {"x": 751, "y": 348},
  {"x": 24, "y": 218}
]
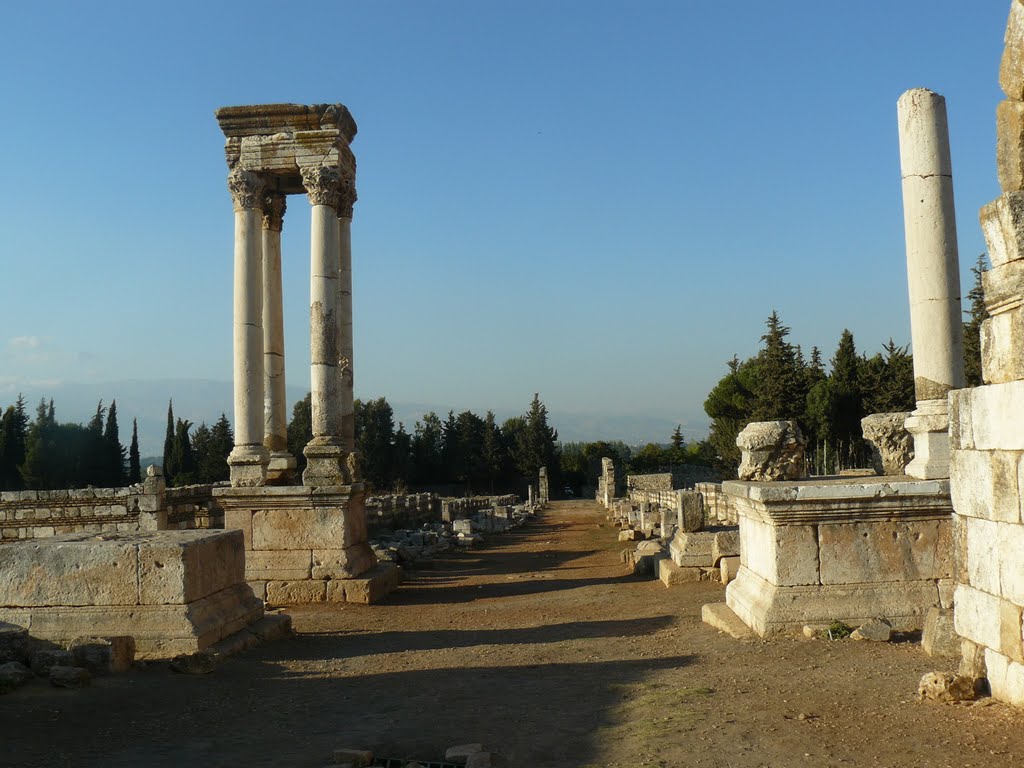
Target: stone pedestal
[
  {"x": 173, "y": 591},
  {"x": 307, "y": 545},
  {"x": 816, "y": 551}
]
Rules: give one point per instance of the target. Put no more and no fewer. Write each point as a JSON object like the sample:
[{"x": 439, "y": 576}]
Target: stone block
[
  {"x": 103, "y": 655},
  {"x": 1003, "y": 285},
  {"x": 74, "y": 569},
  {"x": 960, "y": 551},
  {"x": 997, "y": 418},
  {"x": 1011, "y": 68},
  {"x": 852, "y": 553},
  {"x": 240, "y": 519},
  {"x": 725, "y": 544},
  {"x": 977, "y": 616},
  {"x": 939, "y": 637},
  {"x": 785, "y": 555},
  {"x": 771, "y": 450},
  {"x": 43, "y": 661},
  {"x": 278, "y": 565},
  {"x": 316, "y": 528},
  {"x": 692, "y": 549},
  {"x": 1010, "y": 642},
  {"x": 722, "y": 618},
  {"x": 13, "y": 674},
  {"x": 986, "y": 484},
  {"x": 369, "y": 588},
  {"x": 983, "y": 555},
  {"x": 69, "y": 677},
  {"x": 892, "y": 445},
  {"x": 183, "y": 566},
  {"x": 13, "y": 642},
  {"x": 972, "y": 660},
  {"x": 946, "y": 588},
  {"x": 296, "y": 592},
  {"x": 342, "y": 563},
  {"x": 729, "y": 567},
  {"x": 671, "y": 574},
  {"x": 1002, "y": 338},
  {"x": 1005, "y": 677}
]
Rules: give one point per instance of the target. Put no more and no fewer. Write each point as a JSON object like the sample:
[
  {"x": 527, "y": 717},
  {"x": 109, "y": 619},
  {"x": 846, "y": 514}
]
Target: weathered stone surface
[
  {"x": 1010, "y": 144},
  {"x": 728, "y": 567},
  {"x": 786, "y": 555},
  {"x": 631, "y": 535},
  {"x": 876, "y": 630},
  {"x": 357, "y": 758},
  {"x": 1011, "y": 68},
  {"x": 692, "y": 549},
  {"x": 972, "y": 660},
  {"x": 722, "y": 618},
  {"x": 317, "y": 528},
  {"x": 987, "y": 484},
  {"x": 183, "y": 566},
  {"x": 278, "y": 565},
  {"x": 997, "y": 416},
  {"x": 771, "y": 450},
  {"x": 42, "y": 661},
  {"x": 891, "y": 443},
  {"x": 103, "y": 655},
  {"x": 1002, "y": 337},
  {"x": 14, "y": 674},
  {"x": 946, "y": 687},
  {"x": 342, "y": 563},
  {"x": 725, "y": 544},
  {"x": 690, "y": 514},
  {"x": 671, "y": 574},
  {"x": 371, "y": 587},
  {"x": 978, "y": 616},
  {"x": 461, "y": 752},
  {"x": 241, "y": 519},
  {"x": 885, "y": 551},
  {"x": 939, "y": 637},
  {"x": 296, "y": 592},
  {"x": 69, "y": 677}
]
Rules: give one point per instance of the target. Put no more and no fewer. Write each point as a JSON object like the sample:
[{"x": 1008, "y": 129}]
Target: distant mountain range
[{"x": 200, "y": 400}]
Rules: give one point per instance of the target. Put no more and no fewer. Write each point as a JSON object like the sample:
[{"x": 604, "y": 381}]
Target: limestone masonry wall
[
  {"x": 456, "y": 509},
  {"x": 397, "y": 511}
]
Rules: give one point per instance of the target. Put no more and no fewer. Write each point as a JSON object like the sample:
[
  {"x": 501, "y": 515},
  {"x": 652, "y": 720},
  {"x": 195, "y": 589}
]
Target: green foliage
[
  {"x": 837, "y": 630},
  {"x": 134, "y": 465},
  {"x": 300, "y": 431},
  {"x": 730, "y": 404},
  {"x": 375, "y": 432},
  {"x": 211, "y": 447},
  {"x": 779, "y": 387},
  {"x": 13, "y": 437},
  {"x": 977, "y": 313},
  {"x": 169, "y": 466}
]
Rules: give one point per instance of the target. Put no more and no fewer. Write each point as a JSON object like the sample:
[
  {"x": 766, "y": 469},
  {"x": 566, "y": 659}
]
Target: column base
[
  {"x": 328, "y": 464},
  {"x": 281, "y": 469},
  {"x": 929, "y": 426},
  {"x": 248, "y": 465}
]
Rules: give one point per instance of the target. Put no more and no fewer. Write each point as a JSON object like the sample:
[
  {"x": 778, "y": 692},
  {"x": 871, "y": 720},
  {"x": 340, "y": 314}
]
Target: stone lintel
[
  {"x": 830, "y": 500},
  {"x": 268, "y": 119}
]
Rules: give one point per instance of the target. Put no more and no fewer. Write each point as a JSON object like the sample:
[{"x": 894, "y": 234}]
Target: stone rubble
[
  {"x": 771, "y": 450},
  {"x": 876, "y": 630},
  {"x": 946, "y": 687},
  {"x": 892, "y": 447},
  {"x": 69, "y": 677}
]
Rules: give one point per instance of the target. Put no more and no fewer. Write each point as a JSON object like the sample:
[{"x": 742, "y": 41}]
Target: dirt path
[{"x": 540, "y": 647}]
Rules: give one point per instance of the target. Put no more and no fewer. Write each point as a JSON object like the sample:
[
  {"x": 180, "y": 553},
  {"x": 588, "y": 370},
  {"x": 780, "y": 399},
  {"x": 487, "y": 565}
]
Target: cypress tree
[
  {"x": 170, "y": 468},
  {"x": 134, "y": 461},
  {"x": 779, "y": 389},
  {"x": 114, "y": 449},
  {"x": 300, "y": 431},
  {"x": 972, "y": 327},
  {"x": 845, "y": 397}
]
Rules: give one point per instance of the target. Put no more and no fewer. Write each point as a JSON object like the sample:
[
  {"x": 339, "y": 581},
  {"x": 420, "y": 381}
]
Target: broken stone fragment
[
  {"x": 104, "y": 655},
  {"x": 877, "y": 630},
  {"x": 43, "y": 661},
  {"x": 69, "y": 677},
  {"x": 201, "y": 663},
  {"x": 771, "y": 450},
  {"x": 939, "y": 637},
  {"x": 945, "y": 686},
  {"x": 892, "y": 447},
  {"x": 14, "y": 674}
]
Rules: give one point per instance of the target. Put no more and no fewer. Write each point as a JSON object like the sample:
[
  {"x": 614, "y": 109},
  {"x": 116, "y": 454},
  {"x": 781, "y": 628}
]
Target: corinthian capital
[
  {"x": 273, "y": 211},
  {"x": 323, "y": 185},
  {"x": 348, "y": 196},
  {"x": 246, "y": 189}
]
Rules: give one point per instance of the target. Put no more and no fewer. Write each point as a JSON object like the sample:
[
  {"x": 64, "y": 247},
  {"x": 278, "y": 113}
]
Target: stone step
[{"x": 721, "y": 617}]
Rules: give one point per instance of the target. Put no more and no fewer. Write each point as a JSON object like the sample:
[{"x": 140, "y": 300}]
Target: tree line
[
  {"x": 780, "y": 383},
  {"x": 46, "y": 454}
]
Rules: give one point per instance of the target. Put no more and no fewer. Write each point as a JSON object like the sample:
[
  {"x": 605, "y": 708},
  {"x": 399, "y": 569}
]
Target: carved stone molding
[
  {"x": 323, "y": 185},
  {"x": 274, "y": 205},
  {"x": 246, "y": 189}
]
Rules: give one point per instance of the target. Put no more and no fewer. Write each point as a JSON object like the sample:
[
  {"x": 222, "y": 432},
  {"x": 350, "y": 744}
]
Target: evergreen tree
[
  {"x": 134, "y": 461},
  {"x": 730, "y": 404},
  {"x": 536, "y": 445},
  {"x": 375, "y": 433},
  {"x": 215, "y": 468},
  {"x": 114, "y": 450},
  {"x": 493, "y": 451},
  {"x": 40, "y": 454},
  {"x": 972, "y": 327},
  {"x": 300, "y": 431},
  {"x": 779, "y": 388},
  {"x": 402, "y": 469},
  {"x": 182, "y": 456},
  {"x": 845, "y": 398},
  {"x": 428, "y": 450},
  {"x": 170, "y": 468},
  {"x": 449, "y": 447},
  {"x": 95, "y": 463},
  {"x": 677, "y": 437}
]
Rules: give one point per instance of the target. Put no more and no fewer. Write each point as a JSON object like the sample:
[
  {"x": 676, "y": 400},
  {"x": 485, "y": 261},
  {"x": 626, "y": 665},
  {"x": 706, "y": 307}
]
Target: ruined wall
[
  {"x": 190, "y": 507},
  {"x": 456, "y": 509},
  {"x": 39, "y": 514},
  {"x": 717, "y": 505},
  {"x": 400, "y": 511},
  {"x": 683, "y": 476},
  {"x": 661, "y": 481}
]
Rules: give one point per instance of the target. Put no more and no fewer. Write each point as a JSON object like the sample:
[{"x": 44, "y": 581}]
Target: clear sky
[{"x": 597, "y": 201}]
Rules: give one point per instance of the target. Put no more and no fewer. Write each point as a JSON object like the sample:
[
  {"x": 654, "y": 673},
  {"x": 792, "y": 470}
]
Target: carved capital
[
  {"x": 246, "y": 189},
  {"x": 274, "y": 205},
  {"x": 323, "y": 185},
  {"x": 348, "y": 197}
]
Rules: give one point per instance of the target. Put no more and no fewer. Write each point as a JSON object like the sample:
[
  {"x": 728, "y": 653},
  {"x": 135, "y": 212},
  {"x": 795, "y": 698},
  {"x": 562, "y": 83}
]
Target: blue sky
[{"x": 597, "y": 201}]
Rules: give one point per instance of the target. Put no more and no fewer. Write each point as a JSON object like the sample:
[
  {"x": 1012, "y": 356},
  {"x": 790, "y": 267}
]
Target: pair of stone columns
[{"x": 261, "y": 439}]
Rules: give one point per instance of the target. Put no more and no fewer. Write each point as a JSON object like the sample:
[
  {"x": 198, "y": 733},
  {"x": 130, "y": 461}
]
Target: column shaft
[
  {"x": 347, "y": 372},
  {"x": 933, "y": 275}
]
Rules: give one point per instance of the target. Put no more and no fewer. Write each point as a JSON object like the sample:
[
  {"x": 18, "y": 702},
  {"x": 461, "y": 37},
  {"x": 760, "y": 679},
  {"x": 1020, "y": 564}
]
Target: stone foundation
[
  {"x": 173, "y": 591},
  {"x": 306, "y": 545},
  {"x": 824, "y": 550}
]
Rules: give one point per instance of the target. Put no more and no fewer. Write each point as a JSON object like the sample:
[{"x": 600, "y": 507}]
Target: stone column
[
  {"x": 543, "y": 492},
  {"x": 249, "y": 458},
  {"x": 933, "y": 276},
  {"x": 346, "y": 370},
  {"x": 275, "y": 411},
  {"x": 325, "y": 455}
]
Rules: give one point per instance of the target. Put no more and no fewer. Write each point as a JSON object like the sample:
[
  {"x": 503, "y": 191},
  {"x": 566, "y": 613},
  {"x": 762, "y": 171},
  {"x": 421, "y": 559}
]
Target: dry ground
[{"x": 541, "y": 647}]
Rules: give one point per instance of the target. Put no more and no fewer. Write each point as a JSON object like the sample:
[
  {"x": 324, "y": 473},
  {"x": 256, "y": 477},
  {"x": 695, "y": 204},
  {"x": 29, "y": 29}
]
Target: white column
[
  {"x": 275, "y": 410},
  {"x": 347, "y": 370},
  {"x": 248, "y": 459},
  {"x": 325, "y": 455},
  {"x": 933, "y": 276}
]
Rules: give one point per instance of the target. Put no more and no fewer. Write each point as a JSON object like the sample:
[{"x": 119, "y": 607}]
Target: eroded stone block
[
  {"x": 1011, "y": 68},
  {"x": 997, "y": 417},
  {"x": 369, "y": 588},
  {"x": 316, "y": 528},
  {"x": 977, "y": 616},
  {"x": 278, "y": 565},
  {"x": 986, "y": 484},
  {"x": 184, "y": 566},
  {"x": 342, "y": 563},
  {"x": 885, "y": 551},
  {"x": 892, "y": 445},
  {"x": 1002, "y": 338},
  {"x": 296, "y": 592},
  {"x": 771, "y": 450}
]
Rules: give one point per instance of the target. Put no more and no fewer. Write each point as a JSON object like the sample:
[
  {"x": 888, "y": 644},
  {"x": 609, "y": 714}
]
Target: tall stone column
[
  {"x": 325, "y": 454},
  {"x": 933, "y": 276},
  {"x": 346, "y": 364},
  {"x": 248, "y": 460},
  {"x": 275, "y": 411}
]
